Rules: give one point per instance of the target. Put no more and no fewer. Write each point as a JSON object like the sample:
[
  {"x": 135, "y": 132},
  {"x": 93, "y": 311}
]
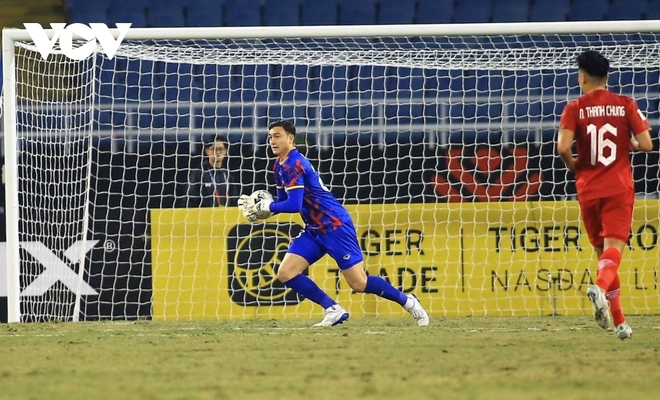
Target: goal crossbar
[{"x": 335, "y": 31}]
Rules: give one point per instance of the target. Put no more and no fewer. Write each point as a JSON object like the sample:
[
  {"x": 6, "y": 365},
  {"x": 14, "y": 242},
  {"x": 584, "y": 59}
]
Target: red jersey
[{"x": 602, "y": 122}]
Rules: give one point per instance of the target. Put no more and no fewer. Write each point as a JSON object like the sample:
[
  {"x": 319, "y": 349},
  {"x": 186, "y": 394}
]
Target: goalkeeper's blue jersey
[{"x": 321, "y": 211}]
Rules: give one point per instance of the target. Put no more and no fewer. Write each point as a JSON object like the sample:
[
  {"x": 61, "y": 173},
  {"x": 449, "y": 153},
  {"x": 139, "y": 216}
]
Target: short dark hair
[
  {"x": 286, "y": 125},
  {"x": 210, "y": 139},
  {"x": 593, "y": 63}
]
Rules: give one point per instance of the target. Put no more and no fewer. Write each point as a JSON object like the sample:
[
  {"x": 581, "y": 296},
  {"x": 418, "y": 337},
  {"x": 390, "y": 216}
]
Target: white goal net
[{"x": 439, "y": 139}]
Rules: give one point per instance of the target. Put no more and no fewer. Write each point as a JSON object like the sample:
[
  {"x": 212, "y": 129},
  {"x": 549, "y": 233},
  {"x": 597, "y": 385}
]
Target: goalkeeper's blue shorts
[{"x": 340, "y": 244}]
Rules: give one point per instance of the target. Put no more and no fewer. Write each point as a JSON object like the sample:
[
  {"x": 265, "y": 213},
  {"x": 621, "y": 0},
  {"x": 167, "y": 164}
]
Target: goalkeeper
[{"x": 328, "y": 230}]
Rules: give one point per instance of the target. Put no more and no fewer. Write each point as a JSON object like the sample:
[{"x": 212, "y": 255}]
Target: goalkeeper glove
[
  {"x": 262, "y": 209},
  {"x": 252, "y": 211},
  {"x": 246, "y": 205}
]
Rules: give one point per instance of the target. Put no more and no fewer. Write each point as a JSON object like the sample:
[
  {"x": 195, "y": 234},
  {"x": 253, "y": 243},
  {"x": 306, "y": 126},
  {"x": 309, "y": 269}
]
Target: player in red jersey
[{"x": 601, "y": 123}]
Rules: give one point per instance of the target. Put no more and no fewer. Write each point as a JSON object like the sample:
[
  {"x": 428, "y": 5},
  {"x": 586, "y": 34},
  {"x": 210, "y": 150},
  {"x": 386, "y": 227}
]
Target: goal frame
[{"x": 11, "y": 36}]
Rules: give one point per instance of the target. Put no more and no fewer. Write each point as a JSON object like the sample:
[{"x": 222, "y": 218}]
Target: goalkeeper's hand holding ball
[{"x": 256, "y": 206}]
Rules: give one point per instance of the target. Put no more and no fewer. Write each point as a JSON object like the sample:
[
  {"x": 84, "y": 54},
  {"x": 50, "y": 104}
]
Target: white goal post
[{"x": 439, "y": 138}]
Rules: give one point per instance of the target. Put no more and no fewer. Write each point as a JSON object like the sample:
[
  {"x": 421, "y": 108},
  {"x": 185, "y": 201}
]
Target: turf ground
[{"x": 454, "y": 358}]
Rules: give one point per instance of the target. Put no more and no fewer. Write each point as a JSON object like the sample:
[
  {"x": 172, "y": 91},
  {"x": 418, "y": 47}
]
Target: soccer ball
[{"x": 261, "y": 195}]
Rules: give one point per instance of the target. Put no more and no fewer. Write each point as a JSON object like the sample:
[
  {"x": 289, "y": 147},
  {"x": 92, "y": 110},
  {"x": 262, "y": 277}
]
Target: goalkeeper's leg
[
  {"x": 342, "y": 245},
  {"x": 359, "y": 281},
  {"x": 290, "y": 273}
]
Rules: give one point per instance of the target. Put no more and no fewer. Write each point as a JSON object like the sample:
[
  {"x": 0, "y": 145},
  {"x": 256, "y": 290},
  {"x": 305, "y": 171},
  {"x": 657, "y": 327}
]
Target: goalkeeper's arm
[
  {"x": 281, "y": 194},
  {"x": 292, "y": 204}
]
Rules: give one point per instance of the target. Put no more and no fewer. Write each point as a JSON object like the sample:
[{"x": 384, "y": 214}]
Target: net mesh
[{"x": 54, "y": 121}]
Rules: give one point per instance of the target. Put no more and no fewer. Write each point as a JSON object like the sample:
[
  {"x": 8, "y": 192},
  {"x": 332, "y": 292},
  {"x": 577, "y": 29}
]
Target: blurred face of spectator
[{"x": 216, "y": 153}]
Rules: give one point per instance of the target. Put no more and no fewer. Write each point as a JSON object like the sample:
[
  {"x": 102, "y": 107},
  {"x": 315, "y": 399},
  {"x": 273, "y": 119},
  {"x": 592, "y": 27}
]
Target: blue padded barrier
[
  {"x": 243, "y": 13},
  {"x": 361, "y": 12},
  {"x": 282, "y": 12},
  {"x": 474, "y": 11},
  {"x": 203, "y": 13},
  {"x": 510, "y": 11},
  {"x": 125, "y": 12},
  {"x": 396, "y": 12},
  {"x": 588, "y": 10},
  {"x": 88, "y": 11},
  {"x": 626, "y": 9},
  {"x": 434, "y": 11},
  {"x": 547, "y": 11},
  {"x": 159, "y": 16},
  {"x": 653, "y": 9},
  {"x": 320, "y": 13}
]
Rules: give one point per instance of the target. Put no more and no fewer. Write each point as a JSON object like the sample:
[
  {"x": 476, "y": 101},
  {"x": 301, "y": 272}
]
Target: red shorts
[{"x": 608, "y": 217}]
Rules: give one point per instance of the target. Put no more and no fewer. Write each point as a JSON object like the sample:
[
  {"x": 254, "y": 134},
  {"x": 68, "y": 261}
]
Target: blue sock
[
  {"x": 310, "y": 290},
  {"x": 380, "y": 287}
]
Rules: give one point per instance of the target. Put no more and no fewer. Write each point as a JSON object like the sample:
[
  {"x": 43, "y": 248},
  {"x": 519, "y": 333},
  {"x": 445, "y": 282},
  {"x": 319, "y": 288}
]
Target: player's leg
[
  {"x": 608, "y": 265},
  {"x": 290, "y": 274},
  {"x": 303, "y": 252},
  {"x": 342, "y": 245},
  {"x": 591, "y": 216},
  {"x": 298, "y": 258},
  {"x": 617, "y": 219},
  {"x": 359, "y": 281}
]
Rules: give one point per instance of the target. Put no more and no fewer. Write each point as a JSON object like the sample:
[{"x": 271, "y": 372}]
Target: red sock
[
  {"x": 615, "y": 302},
  {"x": 608, "y": 264}
]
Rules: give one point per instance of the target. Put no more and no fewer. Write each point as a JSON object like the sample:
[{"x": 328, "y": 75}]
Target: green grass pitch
[{"x": 366, "y": 358}]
